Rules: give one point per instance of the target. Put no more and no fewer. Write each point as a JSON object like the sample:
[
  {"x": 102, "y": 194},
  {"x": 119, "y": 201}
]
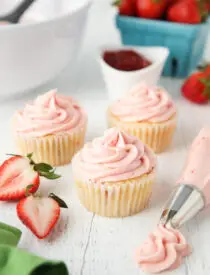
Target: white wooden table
[{"x": 91, "y": 245}]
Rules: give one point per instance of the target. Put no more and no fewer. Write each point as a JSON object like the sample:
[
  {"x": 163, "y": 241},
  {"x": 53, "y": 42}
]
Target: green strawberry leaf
[
  {"x": 206, "y": 82},
  {"x": 206, "y": 92},
  {"x": 116, "y": 3},
  {"x": 43, "y": 167},
  {"x": 46, "y": 170},
  {"x": 61, "y": 203},
  {"x": 29, "y": 155},
  {"x": 201, "y": 4},
  {"x": 49, "y": 175}
]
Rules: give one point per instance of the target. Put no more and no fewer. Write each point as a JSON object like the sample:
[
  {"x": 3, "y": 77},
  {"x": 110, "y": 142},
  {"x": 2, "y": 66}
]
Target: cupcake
[
  {"x": 52, "y": 127},
  {"x": 147, "y": 113},
  {"x": 114, "y": 174}
]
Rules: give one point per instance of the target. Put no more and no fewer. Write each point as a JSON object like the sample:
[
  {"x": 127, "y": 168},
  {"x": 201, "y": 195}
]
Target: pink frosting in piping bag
[
  {"x": 165, "y": 247},
  {"x": 163, "y": 250},
  {"x": 197, "y": 167},
  {"x": 142, "y": 103},
  {"x": 49, "y": 114},
  {"x": 113, "y": 157}
]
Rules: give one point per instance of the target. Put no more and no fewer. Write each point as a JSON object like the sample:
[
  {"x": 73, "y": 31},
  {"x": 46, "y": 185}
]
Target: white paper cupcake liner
[
  {"x": 119, "y": 199},
  {"x": 157, "y": 136},
  {"x": 53, "y": 149}
]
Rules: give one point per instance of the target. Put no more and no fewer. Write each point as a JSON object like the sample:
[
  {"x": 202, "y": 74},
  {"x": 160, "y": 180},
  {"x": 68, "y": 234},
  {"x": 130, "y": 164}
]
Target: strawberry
[
  {"x": 18, "y": 172},
  {"x": 40, "y": 214},
  {"x": 197, "y": 88},
  {"x": 184, "y": 11},
  {"x": 152, "y": 9},
  {"x": 126, "y": 7}
]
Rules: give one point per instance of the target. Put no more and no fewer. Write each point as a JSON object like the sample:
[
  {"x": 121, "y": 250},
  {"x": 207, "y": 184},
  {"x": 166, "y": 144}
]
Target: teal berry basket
[{"x": 185, "y": 42}]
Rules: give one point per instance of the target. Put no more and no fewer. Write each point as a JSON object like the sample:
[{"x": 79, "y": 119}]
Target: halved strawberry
[
  {"x": 18, "y": 172},
  {"x": 40, "y": 214}
]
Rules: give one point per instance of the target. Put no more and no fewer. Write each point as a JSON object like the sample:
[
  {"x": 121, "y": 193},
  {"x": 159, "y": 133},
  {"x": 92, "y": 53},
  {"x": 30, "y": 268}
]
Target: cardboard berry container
[{"x": 186, "y": 42}]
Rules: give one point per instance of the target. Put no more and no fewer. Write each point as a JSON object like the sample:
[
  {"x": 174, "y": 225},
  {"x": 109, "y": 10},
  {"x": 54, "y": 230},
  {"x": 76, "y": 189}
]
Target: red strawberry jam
[{"x": 126, "y": 60}]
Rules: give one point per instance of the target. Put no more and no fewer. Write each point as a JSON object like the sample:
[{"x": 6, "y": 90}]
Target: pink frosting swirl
[
  {"x": 49, "y": 114},
  {"x": 163, "y": 250},
  {"x": 115, "y": 156},
  {"x": 142, "y": 103}
]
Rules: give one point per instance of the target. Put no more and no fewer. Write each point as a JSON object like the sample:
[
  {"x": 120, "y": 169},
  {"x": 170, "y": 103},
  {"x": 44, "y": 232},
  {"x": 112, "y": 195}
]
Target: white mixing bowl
[{"x": 33, "y": 53}]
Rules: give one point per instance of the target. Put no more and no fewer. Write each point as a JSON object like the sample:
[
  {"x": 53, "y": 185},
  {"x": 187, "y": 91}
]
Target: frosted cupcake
[
  {"x": 52, "y": 127},
  {"x": 147, "y": 113},
  {"x": 114, "y": 174}
]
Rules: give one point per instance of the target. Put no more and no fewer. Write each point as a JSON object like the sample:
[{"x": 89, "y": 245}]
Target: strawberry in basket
[
  {"x": 151, "y": 9},
  {"x": 188, "y": 11},
  {"x": 126, "y": 7}
]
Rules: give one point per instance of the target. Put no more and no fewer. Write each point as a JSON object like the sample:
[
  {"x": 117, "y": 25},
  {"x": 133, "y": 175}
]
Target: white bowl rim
[
  {"x": 14, "y": 27},
  {"x": 137, "y": 48}
]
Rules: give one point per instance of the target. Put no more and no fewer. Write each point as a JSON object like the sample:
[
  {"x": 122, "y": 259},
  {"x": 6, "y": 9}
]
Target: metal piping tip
[{"x": 184, "y": 203}]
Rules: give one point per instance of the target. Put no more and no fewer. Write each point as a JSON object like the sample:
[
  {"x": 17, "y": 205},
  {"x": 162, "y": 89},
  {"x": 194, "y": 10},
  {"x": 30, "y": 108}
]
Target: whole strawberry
[
  {"x": 18, "y": 172},
  {"x": 185, "y": 11},
  {"x": 197, "y": 88},
  {"x": 126, "y": 7},
  {"x": 151, "y": 9}
]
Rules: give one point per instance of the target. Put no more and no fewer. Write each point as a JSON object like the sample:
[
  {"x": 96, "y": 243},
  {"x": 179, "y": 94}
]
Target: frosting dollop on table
[
  {"x": 197, "y": 167},
  {"x": 163, "y": 251},
  {"x": 49, "y": 114},
  {"x": 113, "y": 157},
  {"x": 144, "y": 104}
]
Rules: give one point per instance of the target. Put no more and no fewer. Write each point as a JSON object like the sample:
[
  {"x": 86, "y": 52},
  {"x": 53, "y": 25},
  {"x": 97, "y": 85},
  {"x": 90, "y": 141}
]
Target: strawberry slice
[
  {"x": 18, "y": 172},
  {"x": 40, "y": 214}
]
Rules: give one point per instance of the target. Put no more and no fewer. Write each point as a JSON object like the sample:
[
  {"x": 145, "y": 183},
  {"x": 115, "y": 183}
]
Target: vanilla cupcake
[
  {"x": 52, "y": 127},
  {"x": 114, "y": 174},
  {"x": 147, "y": 113}
]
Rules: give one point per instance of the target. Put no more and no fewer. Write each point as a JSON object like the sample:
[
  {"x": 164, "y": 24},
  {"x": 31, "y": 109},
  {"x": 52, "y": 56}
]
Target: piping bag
[{"x": 166, "y": 246}]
